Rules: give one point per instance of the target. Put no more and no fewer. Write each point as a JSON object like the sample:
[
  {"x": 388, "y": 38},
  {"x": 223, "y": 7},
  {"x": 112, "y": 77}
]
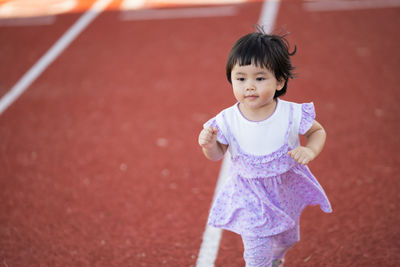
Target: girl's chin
[{"x": 256, "y": 105}]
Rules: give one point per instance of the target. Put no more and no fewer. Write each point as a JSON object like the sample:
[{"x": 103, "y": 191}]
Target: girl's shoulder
[
  {"x": 303, "y": 115},
  {"x": 220, "y": 118},
  {"x": 220, "y": 121},
  {"x": 287, "y": 104},
  {"x": 298, "y": 108},
  {"x": 226, "y": 113}
]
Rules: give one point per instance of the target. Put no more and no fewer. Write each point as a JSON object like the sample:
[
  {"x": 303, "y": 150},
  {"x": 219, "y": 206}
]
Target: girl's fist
[
  {"x": 208, "y": 137},
  {"x": 302, "y": 154}
]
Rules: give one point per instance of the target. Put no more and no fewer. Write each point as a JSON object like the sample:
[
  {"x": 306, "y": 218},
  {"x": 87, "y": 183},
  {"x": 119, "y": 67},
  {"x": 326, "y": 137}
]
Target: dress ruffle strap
[
  {"x": 220, "y": 136},
  {"x": 262, "y": 166},
  {"x": 307, "y": 117}
]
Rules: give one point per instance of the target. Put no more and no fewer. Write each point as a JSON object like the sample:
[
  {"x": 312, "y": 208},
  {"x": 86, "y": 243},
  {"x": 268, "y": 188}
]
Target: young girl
[{"x": 269, "y": 182}]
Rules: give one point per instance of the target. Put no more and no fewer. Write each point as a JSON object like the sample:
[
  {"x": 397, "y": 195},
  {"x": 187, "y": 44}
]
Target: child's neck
[{"x": 258, "y": 114}]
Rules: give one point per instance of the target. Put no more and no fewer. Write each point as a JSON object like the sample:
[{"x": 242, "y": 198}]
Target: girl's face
[{"x": 254, "y": 87}]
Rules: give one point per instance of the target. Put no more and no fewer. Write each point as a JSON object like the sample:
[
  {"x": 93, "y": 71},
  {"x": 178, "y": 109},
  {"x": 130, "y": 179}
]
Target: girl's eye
[
  {"x": 260, "y": 79},
  {"x": 240, "y": 79}
]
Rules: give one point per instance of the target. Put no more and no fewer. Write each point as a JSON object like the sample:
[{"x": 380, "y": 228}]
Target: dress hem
[{"x": 272, "y": 232}]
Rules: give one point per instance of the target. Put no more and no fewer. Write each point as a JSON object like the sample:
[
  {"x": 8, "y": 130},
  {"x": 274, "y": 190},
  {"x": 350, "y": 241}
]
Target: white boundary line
[
  {"x": 212, "y": 236},
  {"x": 37, "y": 69},
  {"x": 28, "y": 21},
  {"x": 349, "y": 5},
  {"x": 152, "y": 14},
  {"x": 268, "y": 15}
]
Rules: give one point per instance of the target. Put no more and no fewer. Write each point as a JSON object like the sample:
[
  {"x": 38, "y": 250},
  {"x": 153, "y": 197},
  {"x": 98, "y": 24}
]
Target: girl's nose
[{"x": 250, "y": 87}]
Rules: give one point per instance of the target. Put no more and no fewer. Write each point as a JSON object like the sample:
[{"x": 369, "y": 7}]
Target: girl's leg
[
  {"x": 262, "y": 251},
  {"x": 284, "y": 241},
  {"x": 258, "y": 251}
]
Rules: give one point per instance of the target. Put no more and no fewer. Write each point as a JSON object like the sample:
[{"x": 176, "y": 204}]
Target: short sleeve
[
  {"x": 220, "y": 136},
  {"x": 307, "y": 117}
]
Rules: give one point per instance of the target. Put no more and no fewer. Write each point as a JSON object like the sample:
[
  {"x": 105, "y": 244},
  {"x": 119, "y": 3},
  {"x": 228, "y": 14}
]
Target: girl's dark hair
[{"x": 263, "y": 50}]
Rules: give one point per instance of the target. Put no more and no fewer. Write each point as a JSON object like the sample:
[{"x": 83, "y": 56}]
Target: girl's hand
[
  {"x": 302, "y": 154},
  {"x": 208, "y": 137}
]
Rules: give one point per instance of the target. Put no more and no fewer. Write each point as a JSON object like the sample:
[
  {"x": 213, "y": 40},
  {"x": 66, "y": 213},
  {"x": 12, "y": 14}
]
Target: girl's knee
[
  {"x": 258, "y": 261},
  {"x": 261, "y": 251},
  {"x": 289, "y": 238},
  {"x": 258, "y": 252}
]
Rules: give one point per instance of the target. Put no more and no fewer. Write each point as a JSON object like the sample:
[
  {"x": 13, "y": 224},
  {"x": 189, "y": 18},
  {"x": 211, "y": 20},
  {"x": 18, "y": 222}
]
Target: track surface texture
[{"x": 99, "y": 161}]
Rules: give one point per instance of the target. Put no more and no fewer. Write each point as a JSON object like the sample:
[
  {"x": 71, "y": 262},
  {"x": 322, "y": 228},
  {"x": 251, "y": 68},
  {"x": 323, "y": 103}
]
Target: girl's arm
[
  {"x": 212, "y": 149},
  {"x": 316, "y": 136}
]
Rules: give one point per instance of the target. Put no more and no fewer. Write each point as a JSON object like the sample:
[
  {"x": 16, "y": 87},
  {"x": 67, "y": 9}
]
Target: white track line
[
  {"x": 268, "y": 14},
  {"x": 52, "y": 54},
  {"x": 349, "y": 5},
  {"x": 28, "y": 21},
  {"x": 212, "y": 236},
  {"x": 152, "y": 14}
]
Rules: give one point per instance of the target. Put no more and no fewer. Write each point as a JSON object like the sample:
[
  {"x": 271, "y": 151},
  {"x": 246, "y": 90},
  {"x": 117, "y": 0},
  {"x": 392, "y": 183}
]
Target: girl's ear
[{"x": 281, "y": 84}]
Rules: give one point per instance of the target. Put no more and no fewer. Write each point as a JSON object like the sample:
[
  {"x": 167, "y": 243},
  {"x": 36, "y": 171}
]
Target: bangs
[
  {"x": 265, "y": 51},
  {"x": 254, "y": 53}
]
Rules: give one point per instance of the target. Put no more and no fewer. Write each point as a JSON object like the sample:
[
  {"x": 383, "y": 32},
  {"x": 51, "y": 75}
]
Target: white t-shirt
[{"x": 266, "y": 136}]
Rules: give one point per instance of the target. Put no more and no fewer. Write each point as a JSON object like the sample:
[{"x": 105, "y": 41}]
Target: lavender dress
[{"x": 265, "y": 194}]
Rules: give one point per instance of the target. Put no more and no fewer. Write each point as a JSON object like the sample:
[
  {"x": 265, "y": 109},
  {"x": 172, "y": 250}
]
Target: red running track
[{"x": 99, "y": 160}]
